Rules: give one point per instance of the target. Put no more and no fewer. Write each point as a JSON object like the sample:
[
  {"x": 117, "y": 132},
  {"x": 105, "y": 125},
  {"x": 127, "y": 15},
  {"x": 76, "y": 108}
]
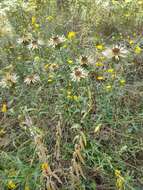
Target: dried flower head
[
  {"x": 78, "y": 73},
  {"x": 56, "y": 41},
  {"x": 83, "y": 60},
  {"x": 86, "y": 60},
  {"x": 25, "y": 39},
  {"x": 31, "y": 79},
  {"x": 35, "y": 44},
  {"x": 8, "y": 80}
]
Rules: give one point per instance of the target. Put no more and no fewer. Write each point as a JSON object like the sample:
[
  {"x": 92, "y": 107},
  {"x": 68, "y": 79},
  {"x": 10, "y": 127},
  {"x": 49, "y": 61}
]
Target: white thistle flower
[
  {"x": 35, "y": 44},
  {"x": 8, "y": 80},
  {"x": 57, "y": 40},
  {"x": 31, "y": 79},
  {"x": 115, "y": 52},
  {"x": 78, "y": 73},
  {"x": 86, "y": 60},
  {"x": 25, "y": 39}
]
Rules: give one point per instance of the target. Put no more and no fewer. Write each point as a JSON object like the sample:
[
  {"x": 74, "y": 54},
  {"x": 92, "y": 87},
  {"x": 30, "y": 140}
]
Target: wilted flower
[
  {"x": 28, "y": 6},
  {"x": 8, "y": 80},
  {"x": 115, "y": 52},
  {"x": 6, "y": 28},
  {"x": 35, "y": 44},
  {"x": 25, "y": 39},
  {"x": 31, "y": 79},
  {"x": 53, "y": 66},
  {"x": 78, "y": 73},
  {"x": 56, "y": 41},
  {"x": 85, "y": 60}
]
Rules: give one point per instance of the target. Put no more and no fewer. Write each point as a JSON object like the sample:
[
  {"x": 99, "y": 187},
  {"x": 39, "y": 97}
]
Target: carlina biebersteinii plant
[{"x": 71, "y": 85}]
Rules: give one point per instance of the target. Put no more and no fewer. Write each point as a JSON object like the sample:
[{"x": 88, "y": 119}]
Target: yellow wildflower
[
  {"x": 45, "y": 166},
  {"x": 33, "y": 20},
  {"x": 69, "y": 92},
  {"x": 99, "y": 64},
  {"x": 4, "y": 108},
  {"x": 76, "y": 98},
  {"x": 100, "y": 78},
  {"x": 99, "y": 47},
  {"x": 71, "y": 35},
  {"x": 69, "y": 97},
  {"x": 50, "y": 18},
  {"x": 131, "y": 42},
  {"x": 120, "y": 183},
  {"x": 50, "y": 80},
  {"x": 69, "y": 61},
  {"x": 137, "y": 50},
  {"x": 110, "y": 70},
  {"x": 117, "y": 173},
  {"x": 122, "y": 81},
  {"x": 46, "y": 66},
  {"x": 108, "y": 87},
  {"x": 120, "y": 180},
  {"x": 11, "y": 185}
]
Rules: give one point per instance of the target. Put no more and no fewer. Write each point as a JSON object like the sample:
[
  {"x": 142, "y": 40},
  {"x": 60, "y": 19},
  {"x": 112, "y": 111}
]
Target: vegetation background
[{"x": 71, "y": 100}]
